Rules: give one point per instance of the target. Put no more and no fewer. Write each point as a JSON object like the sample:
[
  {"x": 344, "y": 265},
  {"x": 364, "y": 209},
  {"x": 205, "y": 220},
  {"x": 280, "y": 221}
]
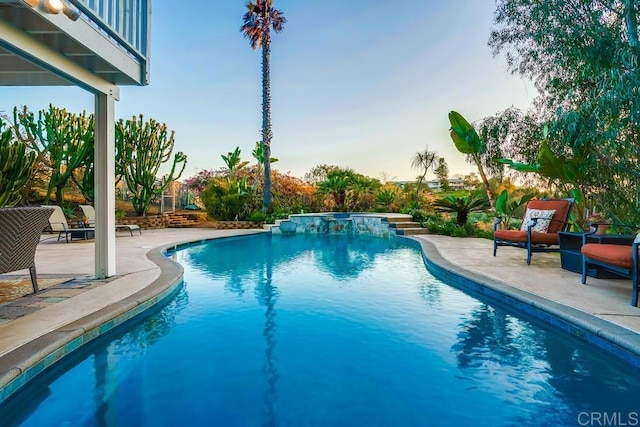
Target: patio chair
[
  {"x": 58, "y": 224},
  {"x": 620, "y": 259},
  {"x": 543, "y": 219},
  {"x": 20, "y": 230},
  {"x": 90, "y": 213}
]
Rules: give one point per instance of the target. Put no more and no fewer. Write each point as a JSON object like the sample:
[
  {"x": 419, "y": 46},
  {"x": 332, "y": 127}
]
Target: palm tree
[
  {"x": 258, "y": 21},
  {"x": 462, "y": 206},
  {"x": 423, "y": 161},
  {"x": 338, "y": 182}
]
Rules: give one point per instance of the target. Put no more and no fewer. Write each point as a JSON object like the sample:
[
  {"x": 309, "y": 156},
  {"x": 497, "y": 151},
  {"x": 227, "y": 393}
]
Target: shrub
[
  {"x": 228, "y": 200},
  {"x": 257, "y": 216}
]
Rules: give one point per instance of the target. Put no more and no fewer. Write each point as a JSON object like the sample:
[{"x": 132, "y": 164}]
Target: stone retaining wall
[
  {"x": 154, "y": 222},
  {"x": 235, "y": 225},
  {"x": 149, "y": 222}
]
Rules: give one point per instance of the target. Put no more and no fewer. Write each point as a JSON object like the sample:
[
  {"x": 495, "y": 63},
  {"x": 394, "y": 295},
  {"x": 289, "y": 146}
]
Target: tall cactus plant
[
  {"x": 63, "y": 140},
  {"x": 141, "y": 148},
  {"x": 16, "y": 165}
]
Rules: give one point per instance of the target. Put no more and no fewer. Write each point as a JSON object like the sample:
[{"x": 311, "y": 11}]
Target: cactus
[
  {"x": 16, "y": 165},
  {"x": 141, "y": 148},
  {"x": 62, "y": 140}
]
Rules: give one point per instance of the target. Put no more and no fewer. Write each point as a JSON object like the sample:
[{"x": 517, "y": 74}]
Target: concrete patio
[{"x": 72, "y": 296}]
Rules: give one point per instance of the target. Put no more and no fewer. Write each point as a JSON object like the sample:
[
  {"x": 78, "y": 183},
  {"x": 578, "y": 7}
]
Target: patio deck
[{"x": 71, "y": 295}]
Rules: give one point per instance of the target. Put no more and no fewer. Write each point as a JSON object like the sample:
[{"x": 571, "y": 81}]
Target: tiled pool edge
[
  {"x": 24, "y": 363},
  {"x": 609, "y": 337},
  {"x": 21, "y": 365}
]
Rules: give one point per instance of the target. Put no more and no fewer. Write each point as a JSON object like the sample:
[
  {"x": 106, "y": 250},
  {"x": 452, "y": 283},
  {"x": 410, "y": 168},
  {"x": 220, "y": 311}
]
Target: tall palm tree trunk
[
  {"x": 632, "y": 24},
  {"x": 266, "y": 120}
]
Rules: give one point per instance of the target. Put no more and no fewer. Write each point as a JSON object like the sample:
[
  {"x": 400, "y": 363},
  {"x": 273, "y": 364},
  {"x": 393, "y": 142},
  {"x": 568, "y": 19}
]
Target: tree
[
  {"x": 467, "y": 141},
  {"x": 319, "y": 173},
  {"x": 15, "y": 167},
  {"x": 583, "y": 57},
  {"x": 462, "y": 206},
  {"x": 141, "y": 148},
  {"x": 337, "y": 183},
  {"x": 471, "y": 181},
  {"x": 442, "y": 172},
  {"x": 62, "y": 140},
  {"x": 259, "y": 19},
  {"x": 423, "y": 161}
]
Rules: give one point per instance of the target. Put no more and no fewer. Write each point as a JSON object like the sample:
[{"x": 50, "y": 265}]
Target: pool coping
[
  {"x": 24, "y": 363},
  {"x": 588, "y": 328},
  {"x": 27, "y": 361}
]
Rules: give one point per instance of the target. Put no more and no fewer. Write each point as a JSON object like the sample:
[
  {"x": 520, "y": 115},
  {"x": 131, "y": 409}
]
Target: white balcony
[{"x": 110, "y": 40}]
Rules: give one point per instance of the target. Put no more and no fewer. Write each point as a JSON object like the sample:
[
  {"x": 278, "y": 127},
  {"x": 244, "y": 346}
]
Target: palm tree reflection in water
[{"x": 268, "y": 295}]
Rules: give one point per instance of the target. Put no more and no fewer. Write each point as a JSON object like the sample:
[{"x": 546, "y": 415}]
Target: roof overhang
[{"x": 43, "y": 49}]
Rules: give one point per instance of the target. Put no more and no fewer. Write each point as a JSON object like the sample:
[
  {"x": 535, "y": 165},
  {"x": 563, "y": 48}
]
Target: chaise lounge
[
  {"x": 90, "y": 213},
  {"x": 620, "y": 259},
  {"x": 543, "y": 219},
  {"x": 58, "y": 224}
]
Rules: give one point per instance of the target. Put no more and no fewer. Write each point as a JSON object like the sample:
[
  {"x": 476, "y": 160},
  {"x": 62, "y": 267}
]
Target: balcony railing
[{"x": 126, "y": 21}]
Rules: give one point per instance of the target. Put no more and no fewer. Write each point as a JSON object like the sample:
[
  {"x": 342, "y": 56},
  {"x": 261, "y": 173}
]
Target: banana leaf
[{"x": 464, "y": 135}]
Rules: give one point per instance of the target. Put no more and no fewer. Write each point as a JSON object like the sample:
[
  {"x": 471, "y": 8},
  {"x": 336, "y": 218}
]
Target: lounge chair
[
  {"x": 20, "y": 230},
  {"x": 620, "y": 259},
  {"x": 58, "y": 224},
  {"x": 538, "y": 232},
  {"x": 90, "y": 213}
]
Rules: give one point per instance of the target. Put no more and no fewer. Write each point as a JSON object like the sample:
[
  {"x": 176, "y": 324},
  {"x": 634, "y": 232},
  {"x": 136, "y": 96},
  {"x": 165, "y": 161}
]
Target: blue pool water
[{"x": 317, "y": 331}]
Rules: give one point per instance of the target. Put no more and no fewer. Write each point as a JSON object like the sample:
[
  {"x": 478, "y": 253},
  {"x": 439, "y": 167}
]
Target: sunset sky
[{"x": 359, "y": 83}]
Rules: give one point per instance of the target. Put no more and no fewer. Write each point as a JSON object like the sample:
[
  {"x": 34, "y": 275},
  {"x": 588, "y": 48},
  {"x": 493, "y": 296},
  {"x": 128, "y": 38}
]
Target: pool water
[{"x": 315, "y": 331}]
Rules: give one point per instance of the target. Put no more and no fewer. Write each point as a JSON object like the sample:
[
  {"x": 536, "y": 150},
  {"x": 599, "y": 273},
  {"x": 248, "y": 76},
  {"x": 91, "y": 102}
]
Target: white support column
[{"x": 105, "y": 193}]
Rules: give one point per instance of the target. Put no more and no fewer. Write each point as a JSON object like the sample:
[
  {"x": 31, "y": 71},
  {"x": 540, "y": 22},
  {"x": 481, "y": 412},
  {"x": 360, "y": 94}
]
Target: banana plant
[
  {"x": 16, "y": 165},
  {"x": 258, "y": 154},
  {"x": 233, "y": 162},
  {"x": 467, "y": 141},
  {"x": 509, "y": 208},
  {"x": 561, "y": 172}
]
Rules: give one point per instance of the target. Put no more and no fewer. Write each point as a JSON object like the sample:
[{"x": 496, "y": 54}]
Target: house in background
[
  {"x": 97, "y": 45},
  {"x": 456, "y": 183}
]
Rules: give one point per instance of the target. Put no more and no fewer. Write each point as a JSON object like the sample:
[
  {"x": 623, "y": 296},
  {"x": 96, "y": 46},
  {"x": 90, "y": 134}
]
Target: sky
[{"x": 363, "y": 84}]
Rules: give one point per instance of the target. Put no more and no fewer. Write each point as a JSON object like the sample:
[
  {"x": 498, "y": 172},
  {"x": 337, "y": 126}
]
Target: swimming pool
[{"x": 317, "y": 330}]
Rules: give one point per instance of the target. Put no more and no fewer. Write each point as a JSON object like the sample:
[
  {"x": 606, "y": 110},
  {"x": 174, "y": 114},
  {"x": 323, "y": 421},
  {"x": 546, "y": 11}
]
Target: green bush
[
  {"x": 436, "y": 224},
  {"x": 279, "y": 212},
  {"x": 257, "y": 216},
  {"x": 227, "y": 200},
  {"x": 419, "y": 215}
]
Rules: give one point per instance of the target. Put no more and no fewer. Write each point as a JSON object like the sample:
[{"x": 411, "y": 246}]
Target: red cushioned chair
[
  {"x": 531, "y": 240},
  {"x": 620, "y": 259}
]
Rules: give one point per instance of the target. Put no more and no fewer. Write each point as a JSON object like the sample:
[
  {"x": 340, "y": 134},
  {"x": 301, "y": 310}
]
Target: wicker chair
[{"x": 20, "y": 230}]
